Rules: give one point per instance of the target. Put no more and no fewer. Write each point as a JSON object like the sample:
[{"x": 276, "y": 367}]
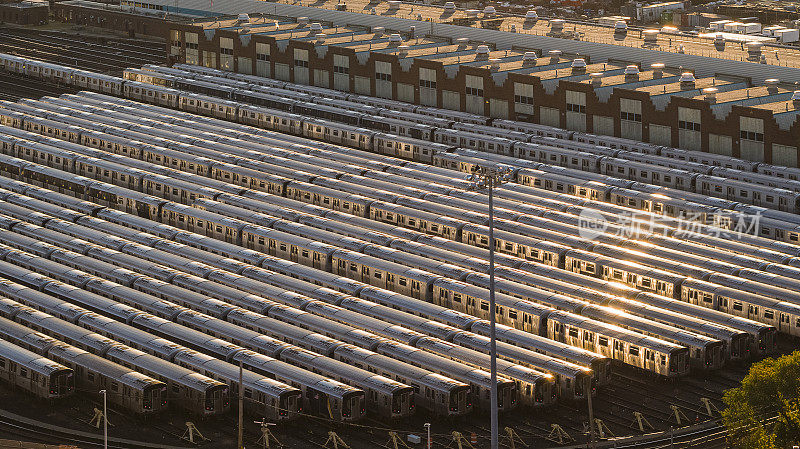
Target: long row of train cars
[
  {"x": 561, "y": 325},
  {"x": 708, "y": 174},
  {"x": 654, "y": 280},
  {"x": 353, "y": 126},
  {"x": 668, "y": 359},
  {"x": 228, "y": 233},
  {"x": 678, "y": 174}
]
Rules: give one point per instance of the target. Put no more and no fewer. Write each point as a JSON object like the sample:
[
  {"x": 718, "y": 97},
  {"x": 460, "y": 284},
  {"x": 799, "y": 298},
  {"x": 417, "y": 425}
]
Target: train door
[
  {"x": 558, "y": 332},
  {"x": 318, "y": 403},
  {"x": 415, "y": 290},
  {"x": 783, "y": 323},
  {"x": 619, "y": 351}
]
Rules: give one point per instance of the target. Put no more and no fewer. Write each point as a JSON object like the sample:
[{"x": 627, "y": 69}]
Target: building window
[
  {"x": 474, "y": 91},
  {"x": 751, "y": 135},
  {"x": 630, "y": 116}
]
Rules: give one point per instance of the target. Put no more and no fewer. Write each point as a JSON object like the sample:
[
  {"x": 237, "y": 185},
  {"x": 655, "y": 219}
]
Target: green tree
[{"x": 764, "y": 412}]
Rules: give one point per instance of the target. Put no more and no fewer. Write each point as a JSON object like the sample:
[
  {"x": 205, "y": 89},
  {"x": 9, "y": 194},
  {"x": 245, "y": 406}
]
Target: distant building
[
  {"x": 25, "y": 13},
  {"x": 651, "y": 12}
]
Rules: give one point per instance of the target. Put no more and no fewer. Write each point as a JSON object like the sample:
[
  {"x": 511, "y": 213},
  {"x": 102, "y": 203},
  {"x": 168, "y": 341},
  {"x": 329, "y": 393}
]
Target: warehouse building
[{"x": 724, "y": 114}]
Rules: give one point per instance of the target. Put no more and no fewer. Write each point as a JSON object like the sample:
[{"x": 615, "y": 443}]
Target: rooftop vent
[
  {"x": 531, "y": 15},
  {"x": 658, "y": 69},
  {"x": 321, "y": 38},
  {"x": 495, "y": 64},
  {"x": 395, "y": 39},
  {"x": 482, "y": 52},
  {"x": 489, "y": 11},
  {"x": 687, "y": 80},
  {"x": 394, "y": 4},
  {"x": 243, "y": 18},
  {"x": 772, "y": 85},
  {"x": 650, "y": 36},
  {"x": 402, "y": 51},
  {"x": 529, "y": 58},
  {"x": 710, "y": 94},
  {"x": 472, "y": 13},
  {"x": 378, "y": 31},
  {"x": 631, "y": 72},
  {"x": 796, "y": 96},
  {"x": 597, "y": 78},
  {"x": 620, "y": 27},
  {"x": 449, "y": 6},
  {"x": 302, "y": 21},
  {"x": 719, "y": 39},
  {"x": 557, "y": 25},
  {"x": 578, "y": 65},
  {"x": 316, "y": 26},
  {"x": 462, "y": 43},
  {"x": 555, "y": 55}
]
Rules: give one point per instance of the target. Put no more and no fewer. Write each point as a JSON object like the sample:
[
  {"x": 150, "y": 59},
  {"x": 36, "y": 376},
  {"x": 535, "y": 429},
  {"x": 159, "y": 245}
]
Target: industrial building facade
[{"x": 724, "y": 114}]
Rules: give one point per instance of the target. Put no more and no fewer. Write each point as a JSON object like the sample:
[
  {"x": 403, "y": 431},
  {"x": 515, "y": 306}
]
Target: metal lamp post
[
  {"x": 487, "y": 178},
  {"x": 105, "y": 420}
]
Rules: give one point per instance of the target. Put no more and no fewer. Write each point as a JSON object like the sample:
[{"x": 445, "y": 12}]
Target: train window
[
  {"x": 602, "y": 341},
  {"x": 737, "y": 306},
  {"x": 797, "y": 323},
  {"x": 573, "y": 333},
  {"x": 512, "y": 314},
  {"x": 484, "y": 305},
  {"x": 769, "y": 314},
  {"x": 2, "y": 363},
  {"x": 634, "y": 351},
  {"x": 90, "y": 376},
  {"x": 23, "y": 372}
]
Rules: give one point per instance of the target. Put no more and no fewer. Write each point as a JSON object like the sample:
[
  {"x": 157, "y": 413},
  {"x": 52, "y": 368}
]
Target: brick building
[
  {"x": 725, "y": 114},
  {"x": 24, "y": 13}
]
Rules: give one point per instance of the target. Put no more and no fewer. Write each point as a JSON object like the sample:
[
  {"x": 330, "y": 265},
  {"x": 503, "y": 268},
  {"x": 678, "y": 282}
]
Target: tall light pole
[
  {"x": 105, "y": 420},
  {"x": 240, "y": 439},
  {"x": 487, "y": 178},
  {"x": 429, "y": 442}
]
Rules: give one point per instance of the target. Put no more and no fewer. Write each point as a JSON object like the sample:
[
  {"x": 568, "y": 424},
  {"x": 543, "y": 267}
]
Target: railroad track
[
  {"x": 32, "y": 430},
  {"x": 15, "y": 88},
  {"x": 111, "y": 57}
]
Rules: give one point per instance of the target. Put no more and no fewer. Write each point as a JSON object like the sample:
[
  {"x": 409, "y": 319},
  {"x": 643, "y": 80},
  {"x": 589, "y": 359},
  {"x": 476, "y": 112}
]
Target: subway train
[
  {"x": 593, "y": 361},
  {"x": 628, "y": 358},
  {"x": 412, "y": 287},
  {"x": 128, "y": 389},
  {"x": 682, "y": 370},
  {"x": 449, "y": 230},
  {"x": 534, "y": 383},
  {"x": 297, "y": 190},
  {"x": 591, "y": 187},
  {"x": 410, "y": 282},
  {"x": 35, "y": 374},
  {"x": 765, "y": 194}
]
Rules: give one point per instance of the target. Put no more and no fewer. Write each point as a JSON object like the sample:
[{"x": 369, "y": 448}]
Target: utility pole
[
  {"x": 105, "y": 419},
  {"x": 591, "y": 412},
  {"x": 241, "y": 405}
]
